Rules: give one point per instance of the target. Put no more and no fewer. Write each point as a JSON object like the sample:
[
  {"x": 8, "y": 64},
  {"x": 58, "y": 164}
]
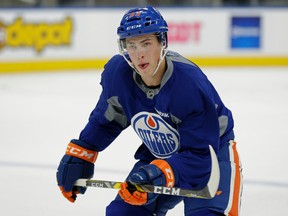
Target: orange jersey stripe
[{"x": 236, "y": 182}]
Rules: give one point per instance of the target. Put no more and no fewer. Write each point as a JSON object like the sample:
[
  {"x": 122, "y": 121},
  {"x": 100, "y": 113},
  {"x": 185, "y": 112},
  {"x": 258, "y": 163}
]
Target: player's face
[{"x": 144, "y": 52}]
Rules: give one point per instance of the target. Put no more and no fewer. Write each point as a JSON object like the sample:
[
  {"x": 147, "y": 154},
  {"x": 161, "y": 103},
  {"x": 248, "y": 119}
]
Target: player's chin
[{"x": 145, "y": 72}]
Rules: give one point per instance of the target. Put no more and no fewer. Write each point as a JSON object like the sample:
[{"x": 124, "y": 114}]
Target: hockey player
[{"x": 175, "y": 111}]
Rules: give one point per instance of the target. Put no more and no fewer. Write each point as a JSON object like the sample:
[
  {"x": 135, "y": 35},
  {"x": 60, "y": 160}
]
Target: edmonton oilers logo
[{"x": 160, "y": 138}]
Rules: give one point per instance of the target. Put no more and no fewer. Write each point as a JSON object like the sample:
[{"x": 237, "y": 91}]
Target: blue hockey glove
[
  {"x": 78, "y": 162},
  {"x": 158, "y": 172}
]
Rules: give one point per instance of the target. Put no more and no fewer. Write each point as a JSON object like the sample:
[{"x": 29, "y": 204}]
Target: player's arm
[
  {"x": 108, "y": 119},
  {"x": 78, "y": 162},
  {"x": 105, "y": 123}
]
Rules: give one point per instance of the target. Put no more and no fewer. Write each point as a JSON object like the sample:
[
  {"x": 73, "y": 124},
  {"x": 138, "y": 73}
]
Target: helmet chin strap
[{"x": 162, "y": 56}]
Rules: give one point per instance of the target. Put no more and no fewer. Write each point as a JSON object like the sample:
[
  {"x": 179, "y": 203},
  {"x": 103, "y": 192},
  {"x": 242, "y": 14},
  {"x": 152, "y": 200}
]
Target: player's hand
[
  {"x": 158, "y": 173},
  {"x": 71, "y": 168}
]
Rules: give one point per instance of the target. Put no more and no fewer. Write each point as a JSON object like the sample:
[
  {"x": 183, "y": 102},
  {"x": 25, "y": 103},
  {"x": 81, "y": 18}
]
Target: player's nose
[{"x": 140, "y": 55}]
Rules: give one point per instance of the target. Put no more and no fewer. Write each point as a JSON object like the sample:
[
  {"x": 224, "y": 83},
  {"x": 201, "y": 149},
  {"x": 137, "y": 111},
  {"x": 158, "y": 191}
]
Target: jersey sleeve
[
  {"x": 198, "y": 128},
  {"x": 108, "y": 119}
]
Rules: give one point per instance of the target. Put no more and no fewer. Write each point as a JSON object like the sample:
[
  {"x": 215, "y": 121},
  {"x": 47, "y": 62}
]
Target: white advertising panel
[{"x": 55, "y": 35}]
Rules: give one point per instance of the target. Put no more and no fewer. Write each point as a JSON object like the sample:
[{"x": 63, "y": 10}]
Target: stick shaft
[
  {"x": 207, "y": 192},
  {"x": 204, "y": 193}
]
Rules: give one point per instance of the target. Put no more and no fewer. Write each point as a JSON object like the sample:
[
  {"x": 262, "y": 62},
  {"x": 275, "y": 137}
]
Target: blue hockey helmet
[{"x": 140, "y": 21}]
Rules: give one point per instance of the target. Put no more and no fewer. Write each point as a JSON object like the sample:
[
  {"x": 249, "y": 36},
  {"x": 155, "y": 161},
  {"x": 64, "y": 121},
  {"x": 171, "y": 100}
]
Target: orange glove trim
[
  {"x": 136, "y": 198},
  {"x": 80, "y": 152},
  {"x": 167, "y": 170},
  {"x": 71, "y": 196}
]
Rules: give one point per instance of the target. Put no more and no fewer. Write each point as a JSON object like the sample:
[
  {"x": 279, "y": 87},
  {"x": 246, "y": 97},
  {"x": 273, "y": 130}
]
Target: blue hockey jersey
[{"x": 176, "y": 121}]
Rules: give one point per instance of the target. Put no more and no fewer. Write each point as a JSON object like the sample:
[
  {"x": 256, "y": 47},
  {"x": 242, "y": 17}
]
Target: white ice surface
[{"x": 41, "y": 112}]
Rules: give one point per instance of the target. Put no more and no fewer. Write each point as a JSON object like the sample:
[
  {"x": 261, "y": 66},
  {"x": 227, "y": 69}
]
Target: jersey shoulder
[
  {"x": 116, "y": 71},
  {"x": 189, "y": 85},
  {"x": 186, "y": 73},
  {"x": 116, "y": 64}
]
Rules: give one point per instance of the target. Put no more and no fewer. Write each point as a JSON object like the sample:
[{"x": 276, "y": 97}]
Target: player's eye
[
  {"x": 131, "y": 47},
  {"x": 146, "y": 44}
]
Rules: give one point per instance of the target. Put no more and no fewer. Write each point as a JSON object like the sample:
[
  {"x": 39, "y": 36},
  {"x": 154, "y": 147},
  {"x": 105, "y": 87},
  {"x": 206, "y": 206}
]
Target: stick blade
[{"x": 213, "y": 183}]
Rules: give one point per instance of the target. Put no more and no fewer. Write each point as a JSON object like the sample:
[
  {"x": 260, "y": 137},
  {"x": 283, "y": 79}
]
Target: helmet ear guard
[{"x": 163, "y": 39}]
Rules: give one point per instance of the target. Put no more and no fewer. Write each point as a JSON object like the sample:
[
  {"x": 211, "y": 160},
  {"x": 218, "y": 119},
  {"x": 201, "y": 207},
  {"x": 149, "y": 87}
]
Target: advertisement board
[{"x": 69, "y": 38}]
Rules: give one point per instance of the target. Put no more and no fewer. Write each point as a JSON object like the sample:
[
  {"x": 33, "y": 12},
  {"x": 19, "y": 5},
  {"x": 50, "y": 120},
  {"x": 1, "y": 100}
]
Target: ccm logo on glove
[{"x": 80, "y": 152}]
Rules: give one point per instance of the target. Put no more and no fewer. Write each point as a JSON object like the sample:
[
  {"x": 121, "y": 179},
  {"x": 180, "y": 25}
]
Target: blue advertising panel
[{"x": 245, "y": 32}]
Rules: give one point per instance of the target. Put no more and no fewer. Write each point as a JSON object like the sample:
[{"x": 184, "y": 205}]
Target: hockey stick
[{"x": 207, "y": 192}]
